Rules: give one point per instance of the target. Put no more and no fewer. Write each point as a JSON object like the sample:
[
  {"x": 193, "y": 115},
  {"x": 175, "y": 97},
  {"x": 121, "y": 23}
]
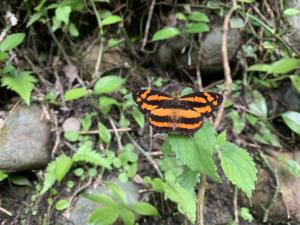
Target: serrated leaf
[
  {"x": 63, "y": 166},
  {"x": 62, "y": 13},
  {"x": 22, "y": 83},
  {"x": 12, "y": 41},
  {"x": 127, "y": 216},
  {"x": 145, "y": 209},
  {"x": 188, "y": 179},
  {"x": 200, "y": 149},
  {"x": 3, "y": 175},
  {"x": 239, "y": 167},
  {"x": 111, "y": 20},
  {"x": 165, "y": 33},
  {"x": 292, "y": 120},
  {"x": 221, "y": 138},
  {"x": 108, "y": 84},
  {"x": 198, "y": 17},
  {"x": 258, "y": 105},
  {"x": 86, "y": 154},
  {"x": 193, "y": 28},
  {"x": 104, "y": 133},
  {"x": 296, "y": 81},
  {"x": 75, "y": 93},
  {"x": 291, "y": 12},
  {"x": 62, "y": 204},
  {"x": 138, "y": 117},
  {"x": 186, "y": 200},
  {"x": 104, "y": 216},
  {"x": 33, "y": 18}
]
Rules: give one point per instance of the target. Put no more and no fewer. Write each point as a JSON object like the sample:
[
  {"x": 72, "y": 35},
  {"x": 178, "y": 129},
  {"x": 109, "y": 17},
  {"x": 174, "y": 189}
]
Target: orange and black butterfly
[{"x": 176, "y": 114}]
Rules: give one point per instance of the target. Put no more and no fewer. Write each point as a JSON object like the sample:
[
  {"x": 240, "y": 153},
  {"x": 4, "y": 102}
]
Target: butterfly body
[{"x": 176, "y": 114}]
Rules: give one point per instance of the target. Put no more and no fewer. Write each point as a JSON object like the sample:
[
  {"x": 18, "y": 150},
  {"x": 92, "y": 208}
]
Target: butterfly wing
[
  {"x": 148, "y": 100},
  {"x": 202, "y": 102}
]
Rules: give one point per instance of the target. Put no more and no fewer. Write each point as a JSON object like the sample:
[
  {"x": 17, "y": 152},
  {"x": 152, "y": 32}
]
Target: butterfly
[{"x": 176, "y": 114}]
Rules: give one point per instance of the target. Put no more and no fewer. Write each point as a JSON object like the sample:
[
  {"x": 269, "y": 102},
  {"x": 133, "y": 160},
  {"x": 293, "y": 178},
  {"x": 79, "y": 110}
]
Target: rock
[
  {"x": 71, "y": 124},
  {"x": 294, "y": 22},
  {"x": 23, "y": 140},
  {"x": 84, "y": 207},
  {"x": 287, "y": 203}
]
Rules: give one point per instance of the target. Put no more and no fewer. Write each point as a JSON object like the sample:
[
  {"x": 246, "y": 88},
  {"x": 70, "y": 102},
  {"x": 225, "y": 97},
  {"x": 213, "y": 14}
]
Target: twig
[
  {"x": 201, "y": 201},
  {"x": 198, "y": 69},
  {"x": 6, "y": 211},
  {"x": 110, "y": 130},
  {"x": 100, "y": 53},
  {"x": 227, "y": 83},
  {"x": 148, "y": 157},
  {"x": 227, "y": 72},
  {"x": 235, "y": 205},
  {"x": 277, "y": 188},
  {"x": 148, "y": 23},
  {"x": 112, "y": 123},
  {"x": 57, "y": 135}
]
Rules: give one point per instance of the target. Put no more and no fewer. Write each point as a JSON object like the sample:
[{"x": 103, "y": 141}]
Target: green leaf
[
  {"x": 62, "y": 13},
  {"x": 258, "y": 105},
  {"x": 285, "y": 65},
  {"x": 246, "y": 215},
  {"x": 104, "y": 216},
  {"x": 71, "y": 136},
  {"x": 265, "y": 135},
  {"x": 73, "y": 30},
  {"x": 292, "y": 120},
  {"x": 239, "y": 167},
  {"x": 63, "y": 166},
  {"x": 246, "y": 1},
  {"x": 260, "y": 68},
  {"x": 101, "y": 199},
  {"x": 186, "y": 200},
  {"x": 221, "y": 138},
  {"x": 193, "y": 28},
  {"x": 296, "y": 81},
  {"x": 186, "y": 91},
  {"x": 156, "y": 183},
  {"x": 127, "y": 216},
  {"x": 145, "y": 209},
  {"x": 238, "y": 123},
  {"x": 198, "y": 17},
  {"x": 104, "y": 133},
  {"x": 22, "y": 83},
  {"x": 236, "y": 22},
  {"x": 105, "y": 104},
  {"x": 33, "y": 18},
  {"x": 165, "y": 33},
  {"x": 86, "y": 154},
  {"x": 294, "y": 168},
  {"x": 138, "y": 117},
  {"x": 12, "y": 41},
  {"x": 3, "y": 175},
  {"x": 108, "y": 84},
  {"x": 188, "y": 179},
  {"x": 200, "y": 149},
  {"x": 181, "y": 16},
  {"x": 291, "y": 12},
  {"x": 86, "y": 121},
  {"x": 75, "y": 93},
  {"x": 62, "y": 204},
  {"x": 20, "y": 180},
  {"x": 117, "y": 191},
  {"x": 3, "y": 56},
  {"x": 111, "y": 20}
]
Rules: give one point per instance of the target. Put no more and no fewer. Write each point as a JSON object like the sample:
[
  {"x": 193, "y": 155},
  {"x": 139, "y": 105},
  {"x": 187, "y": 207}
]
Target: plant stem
[{"x": 201, "y": 201}]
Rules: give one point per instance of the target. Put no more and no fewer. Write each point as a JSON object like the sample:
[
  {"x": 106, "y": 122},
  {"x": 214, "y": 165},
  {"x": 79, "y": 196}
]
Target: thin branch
[
  {"x": 112, "y": 123},
  {"x": 6, "y": 211},
  {"x": 201, "y": 201},
  {"x": 235, "y": 205},
  {"x": 227, "y": 71},
  {"x": 148, "y": 23},
  {"x": 110, "y": 130},
  {"x": 101, "y": 35}
]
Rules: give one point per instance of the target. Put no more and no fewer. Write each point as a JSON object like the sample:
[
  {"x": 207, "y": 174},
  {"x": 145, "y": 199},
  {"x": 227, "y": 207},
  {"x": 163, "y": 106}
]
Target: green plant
[{"x": 117, "y": 206}]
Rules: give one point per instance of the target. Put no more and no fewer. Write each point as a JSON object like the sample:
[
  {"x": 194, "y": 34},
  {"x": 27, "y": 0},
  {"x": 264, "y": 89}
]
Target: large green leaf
[
  {"x": 11, "y": 41},
  {"x": 165, "y": 33},
  {"x": 258, "y": 105},
  {"x": 193, "y": 28},
  {"x": 239, "y": 167},
  {"x": 196, "y": 152},
  {"x": 22, "y": 83},
  {"x": 285, "y": 65},
  {"x": 108, "y": 84},
  {"x": 292, "y": 120},
  {"x": 104, "y": 216},
  {"x": 63, "y": 165}
]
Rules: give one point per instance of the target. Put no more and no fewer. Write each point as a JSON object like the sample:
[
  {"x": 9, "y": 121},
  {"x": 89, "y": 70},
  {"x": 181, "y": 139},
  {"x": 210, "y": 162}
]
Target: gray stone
[{"x": 23, "y": 140}]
